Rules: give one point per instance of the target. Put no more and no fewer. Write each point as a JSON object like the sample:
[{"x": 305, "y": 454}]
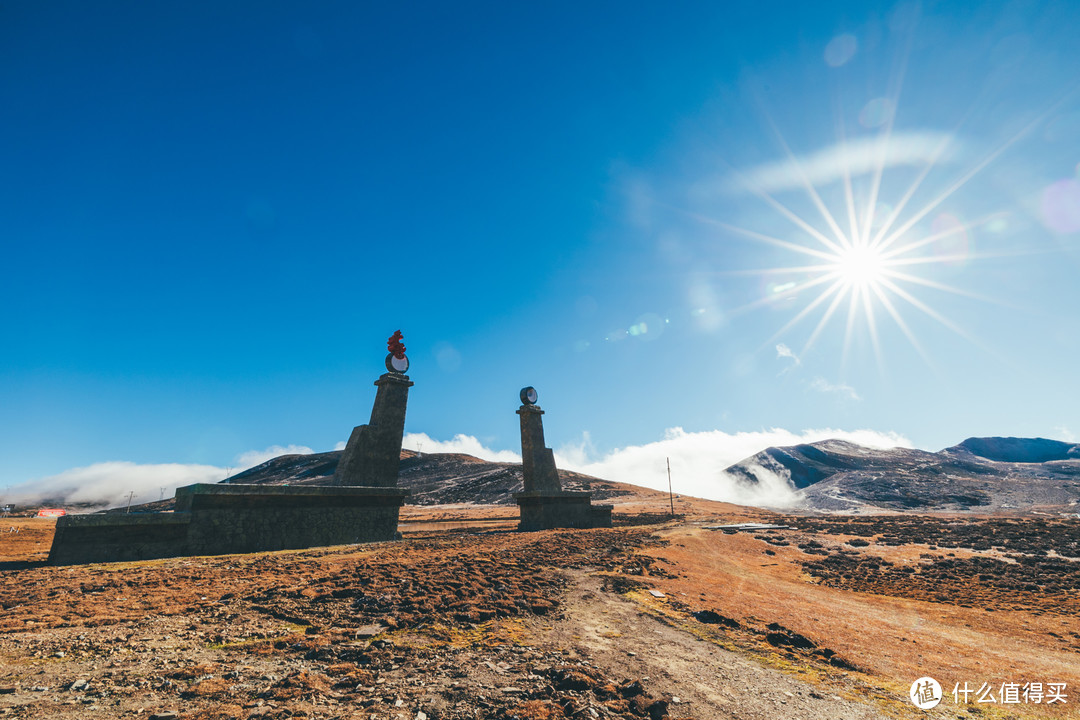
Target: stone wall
[
  {"x": 222, "y": 519},
  {"x": 116, "y": 538},
  {"x": 544, "y": 511}
]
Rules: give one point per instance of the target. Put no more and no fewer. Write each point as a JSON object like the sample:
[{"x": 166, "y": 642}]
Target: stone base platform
[
  {"x": 564, "y": 509},
  {"x": 224, "y": 519}
]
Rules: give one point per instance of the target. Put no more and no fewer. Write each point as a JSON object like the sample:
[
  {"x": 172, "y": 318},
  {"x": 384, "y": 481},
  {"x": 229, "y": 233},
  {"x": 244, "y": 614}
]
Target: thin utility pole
[
  {"x": 130, "y": 495},
  {"x": 671, "y": 496}
]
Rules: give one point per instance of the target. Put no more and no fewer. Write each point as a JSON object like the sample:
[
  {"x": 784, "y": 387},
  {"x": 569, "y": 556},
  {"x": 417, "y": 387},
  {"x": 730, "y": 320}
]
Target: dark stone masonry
[
  {"x": 372, "y": 454},
  {"x": 361, "y": 506},
  {"x": 544, "y": 504},
  {"x": 223, "y": 519}
]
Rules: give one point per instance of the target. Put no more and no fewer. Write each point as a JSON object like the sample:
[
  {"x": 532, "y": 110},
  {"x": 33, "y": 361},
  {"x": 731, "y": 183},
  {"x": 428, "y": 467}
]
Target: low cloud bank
[
  {"x": 698, "y": 460},
  {"x": 251, "y": 458},
  {"x": 110, "y": 484}
]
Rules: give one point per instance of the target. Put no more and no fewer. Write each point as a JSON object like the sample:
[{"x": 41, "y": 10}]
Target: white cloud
[
  {"x": 251, "y": 458},
  {"x": 783, "y": 351},
  {"x": 462, "y": 444},
  {"x": 822, "y": 385},
  {"x": 109, "y": 483},
  {"x": 859, "y": 156},
  {"x": 698, "y": 460}
]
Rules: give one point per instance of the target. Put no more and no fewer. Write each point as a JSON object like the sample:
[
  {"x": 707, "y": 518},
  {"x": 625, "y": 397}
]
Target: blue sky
[{"x": 213, "y": 216}]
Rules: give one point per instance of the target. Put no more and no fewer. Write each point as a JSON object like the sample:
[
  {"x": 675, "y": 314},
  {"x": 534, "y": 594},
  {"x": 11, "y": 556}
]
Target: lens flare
[
  {"x": 876, "y": 113},
  {"x": 1061, "y": 207},
  {"x": 840, "y": 49}
]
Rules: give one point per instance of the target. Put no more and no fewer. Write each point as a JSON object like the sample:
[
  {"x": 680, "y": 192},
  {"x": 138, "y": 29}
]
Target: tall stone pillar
[
  {"x": 372, "y": 455},
  {"x": 537, "y": 461}
]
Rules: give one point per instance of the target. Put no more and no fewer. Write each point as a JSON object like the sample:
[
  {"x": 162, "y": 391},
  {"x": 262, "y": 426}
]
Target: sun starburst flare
[
  {"x": 869, "y": 269},
  {"x": 856, "y": 275}
]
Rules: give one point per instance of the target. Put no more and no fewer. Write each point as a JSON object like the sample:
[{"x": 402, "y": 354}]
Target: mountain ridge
[{"x": 988, "y": 474}]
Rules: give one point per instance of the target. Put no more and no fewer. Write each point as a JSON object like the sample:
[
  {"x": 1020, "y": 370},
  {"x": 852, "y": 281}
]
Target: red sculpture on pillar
[{"x": 394, "y": 346}]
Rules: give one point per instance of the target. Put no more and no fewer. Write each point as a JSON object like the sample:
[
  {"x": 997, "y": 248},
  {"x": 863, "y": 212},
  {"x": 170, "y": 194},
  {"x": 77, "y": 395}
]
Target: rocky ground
[{"x": 826, "y": 617}]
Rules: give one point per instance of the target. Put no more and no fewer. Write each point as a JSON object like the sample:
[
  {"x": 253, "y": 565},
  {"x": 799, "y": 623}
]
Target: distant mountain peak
[
  {"x": 981, "y": 474},
  {"x": 1019, "y": 450}
]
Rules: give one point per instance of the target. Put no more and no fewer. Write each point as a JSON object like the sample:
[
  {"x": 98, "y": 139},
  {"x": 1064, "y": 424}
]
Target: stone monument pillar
[
  {"x": 543, "y": 503},
  {"x": 373, "y": 452},
  {"x": 537, "y": 461}
]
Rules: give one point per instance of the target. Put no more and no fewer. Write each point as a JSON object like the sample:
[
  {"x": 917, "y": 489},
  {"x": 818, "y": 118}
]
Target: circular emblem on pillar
[
  {"x": 397, "y": 364},
  {"x": 528, "y": 395}
]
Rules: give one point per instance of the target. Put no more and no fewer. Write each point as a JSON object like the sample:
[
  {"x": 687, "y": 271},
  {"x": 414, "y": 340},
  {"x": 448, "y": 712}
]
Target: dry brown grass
[{"x": 893, "y": 639}]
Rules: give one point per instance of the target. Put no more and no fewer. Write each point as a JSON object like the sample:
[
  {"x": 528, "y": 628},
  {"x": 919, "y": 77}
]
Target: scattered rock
[
  {"x": 369, "y": 631},
  {"x": 780, "y": 636},
  {"x": 713, "y": 618}
]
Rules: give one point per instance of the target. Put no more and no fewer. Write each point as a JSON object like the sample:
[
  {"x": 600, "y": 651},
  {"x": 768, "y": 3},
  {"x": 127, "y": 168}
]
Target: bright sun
[
  {"x": 863, "y": 269},
  {"x": 861, "y": 266}
]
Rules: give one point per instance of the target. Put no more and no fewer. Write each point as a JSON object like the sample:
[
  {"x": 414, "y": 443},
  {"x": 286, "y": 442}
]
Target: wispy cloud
[
  {"x": 857, "y": 156},
  {"x": 251, "y": 458},
  {"x": 822, "y": 385},
  {"x": 783, "y": 351}
]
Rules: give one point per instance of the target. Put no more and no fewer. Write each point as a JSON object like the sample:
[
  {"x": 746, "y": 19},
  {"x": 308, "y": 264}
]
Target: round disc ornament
[
  {"x": 397, "y": 364},
  {"x": 528, "y": 395}
]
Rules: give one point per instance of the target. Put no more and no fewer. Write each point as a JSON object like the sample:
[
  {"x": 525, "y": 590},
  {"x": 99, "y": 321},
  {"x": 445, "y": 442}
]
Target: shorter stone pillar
[{"x": 543, "y": 503}]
